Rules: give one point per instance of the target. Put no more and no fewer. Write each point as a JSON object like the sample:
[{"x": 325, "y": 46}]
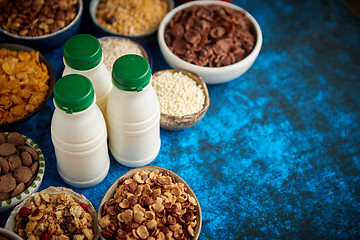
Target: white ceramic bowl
[
  {"x": 211, "y": 75},
  {"x": 9, "y": 234},
  {"x": 111, "y": 191},
  {"x": 34, "y": 186}
]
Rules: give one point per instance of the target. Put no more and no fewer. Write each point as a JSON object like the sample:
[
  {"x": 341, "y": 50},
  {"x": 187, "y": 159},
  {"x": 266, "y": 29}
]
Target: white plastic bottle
[
  {"x": 133, "y": 113},
  {"x": 78, "y": 133},
  {"x": 83, "y": 55}
]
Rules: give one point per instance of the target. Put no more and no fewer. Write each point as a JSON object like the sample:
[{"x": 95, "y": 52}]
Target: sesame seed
[{"x": 178, "y": 94}]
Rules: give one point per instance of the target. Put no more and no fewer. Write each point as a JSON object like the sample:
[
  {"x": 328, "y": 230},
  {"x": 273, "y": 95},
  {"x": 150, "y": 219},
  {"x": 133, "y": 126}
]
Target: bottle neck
[
  {"x": 146, "y": 88},
  {"x": 77, "y": 113},
  {"x": 87, "y": 70}
]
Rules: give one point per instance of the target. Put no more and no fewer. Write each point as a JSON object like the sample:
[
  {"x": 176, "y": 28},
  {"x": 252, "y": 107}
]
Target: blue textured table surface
[{"x": 278, "y": 153}]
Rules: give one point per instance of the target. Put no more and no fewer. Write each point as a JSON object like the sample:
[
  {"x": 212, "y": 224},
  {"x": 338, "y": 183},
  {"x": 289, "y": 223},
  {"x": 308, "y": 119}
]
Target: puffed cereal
[{"x": 149, "y": 205}]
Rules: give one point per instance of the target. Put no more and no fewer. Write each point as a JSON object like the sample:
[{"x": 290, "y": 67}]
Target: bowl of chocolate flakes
[
  {"x": 217, "y": 40},
  {"x": 41, "y": 24}
]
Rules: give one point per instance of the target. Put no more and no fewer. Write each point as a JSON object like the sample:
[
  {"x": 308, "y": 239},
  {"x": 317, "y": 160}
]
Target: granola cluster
[
  {"x": 56, "y": 217},
  {"x": 150, "y": 205}
]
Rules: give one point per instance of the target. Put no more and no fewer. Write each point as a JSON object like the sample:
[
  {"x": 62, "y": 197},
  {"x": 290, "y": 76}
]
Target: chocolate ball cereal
[
  {"x": 210, "y": 35},
  {"x": 150, "y": 205},
  {"x": 18, "y": 165}
]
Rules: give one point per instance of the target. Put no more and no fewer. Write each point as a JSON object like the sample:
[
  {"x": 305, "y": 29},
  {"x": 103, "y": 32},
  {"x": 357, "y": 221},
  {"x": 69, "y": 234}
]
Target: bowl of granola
[
  {"x": 22, "y": 165},
  {"x": 151, "y": 203},
  {"x": 43, "y": 25},
  {"x": 69, "y": 216},
  {"x": 26, "y": 83},
  {"x": 136, "y": 19}
]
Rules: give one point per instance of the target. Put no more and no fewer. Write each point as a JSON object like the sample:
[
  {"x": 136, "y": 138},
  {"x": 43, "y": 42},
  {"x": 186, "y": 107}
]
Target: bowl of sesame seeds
[
  {"x": 136, "y": 19},
  {"x": 183, "y": 97}
]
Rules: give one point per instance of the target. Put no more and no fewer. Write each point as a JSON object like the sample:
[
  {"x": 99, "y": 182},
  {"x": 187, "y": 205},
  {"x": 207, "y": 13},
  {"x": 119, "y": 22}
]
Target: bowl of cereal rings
[
  {"x": 217, "y": 40},
  {"x": 183, "y": 97},
  {"x": 22, "y": 165},
  {"x": 76, "y": 213},
  {"x": 27, "y": 81},
  {"x": 43, "y": 25},
  {"x": 154, "y": 203},
  {"x": 135, "y": 19}
]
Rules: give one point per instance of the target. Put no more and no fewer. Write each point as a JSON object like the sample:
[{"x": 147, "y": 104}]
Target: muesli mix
[{"x": 59, "y": 216}]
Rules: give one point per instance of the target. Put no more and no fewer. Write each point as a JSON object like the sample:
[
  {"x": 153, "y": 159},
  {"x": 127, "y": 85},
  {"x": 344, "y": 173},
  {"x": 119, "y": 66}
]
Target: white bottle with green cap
[
  {"x": 78, "y": 133},
  {"x": 133, "y": 113},
  {"x": 83, "y": 55}
]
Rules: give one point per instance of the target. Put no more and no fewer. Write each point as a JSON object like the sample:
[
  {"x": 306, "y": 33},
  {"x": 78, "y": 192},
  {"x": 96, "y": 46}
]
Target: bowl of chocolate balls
[
  {"x": 22, "y": 168},
  {"x": 217, "y": 40}
]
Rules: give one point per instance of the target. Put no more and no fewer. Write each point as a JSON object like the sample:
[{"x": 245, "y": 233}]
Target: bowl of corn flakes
[
  {"x": 151, "y": 203},
  {"x": 136, "y": 19},
  {"x": 26, "y": 83}
]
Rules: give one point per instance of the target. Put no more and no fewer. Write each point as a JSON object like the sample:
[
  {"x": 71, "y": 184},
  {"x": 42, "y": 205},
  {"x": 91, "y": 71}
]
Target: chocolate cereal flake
[{"x": 210, "y": 35}]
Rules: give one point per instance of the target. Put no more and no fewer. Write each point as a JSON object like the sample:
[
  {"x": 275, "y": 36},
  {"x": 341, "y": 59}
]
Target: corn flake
[{"x": 23, "y": 84}]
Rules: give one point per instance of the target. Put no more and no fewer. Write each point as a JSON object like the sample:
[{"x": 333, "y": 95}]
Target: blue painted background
[{"x": 278, "y": 153}]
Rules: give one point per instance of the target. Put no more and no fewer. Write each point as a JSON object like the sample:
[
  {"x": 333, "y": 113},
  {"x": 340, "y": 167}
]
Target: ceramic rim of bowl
[{"x": 201, "y": 69}]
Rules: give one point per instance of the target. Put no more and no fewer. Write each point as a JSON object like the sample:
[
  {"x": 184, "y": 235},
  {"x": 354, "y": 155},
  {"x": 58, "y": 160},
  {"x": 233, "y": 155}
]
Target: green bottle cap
[
  {"x": 73, "y": 93},
  {"x": 82, "y": 52},
  {"x": 131, "y": 72}
]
